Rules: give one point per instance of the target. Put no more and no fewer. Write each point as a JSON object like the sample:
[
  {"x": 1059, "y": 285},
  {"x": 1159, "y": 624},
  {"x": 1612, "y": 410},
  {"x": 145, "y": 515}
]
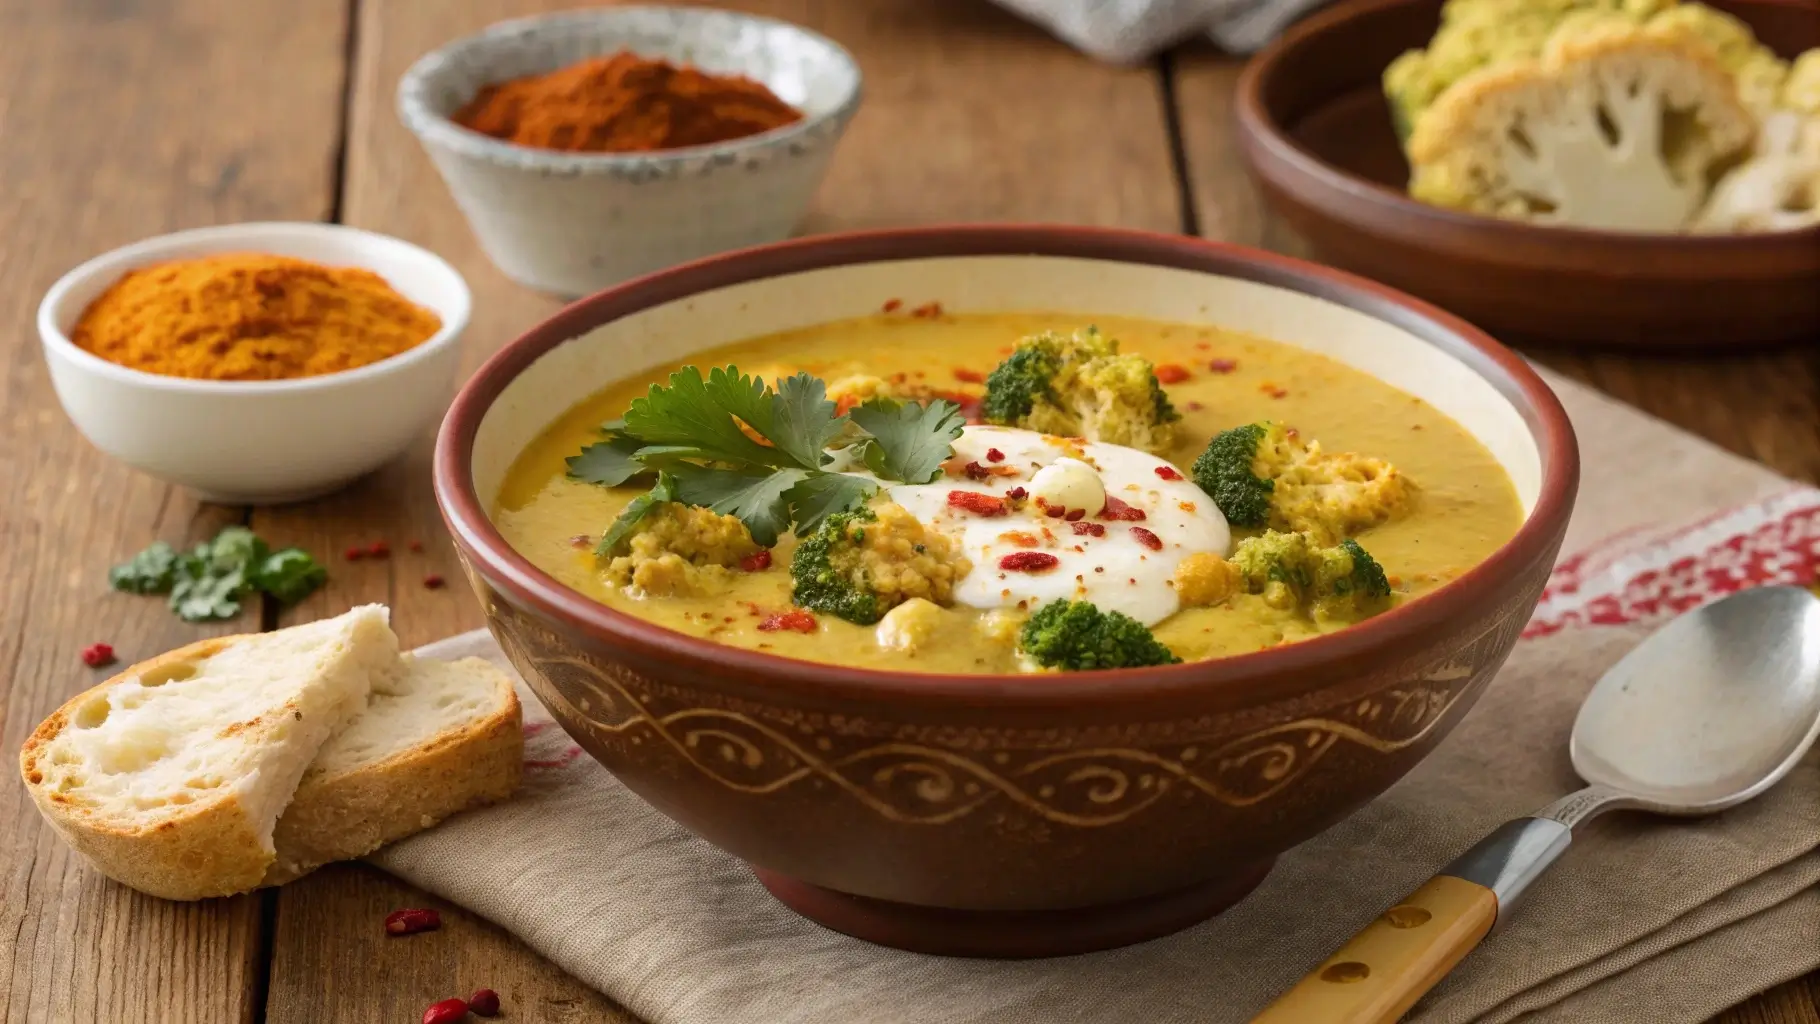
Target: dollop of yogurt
[{"x": 1119, "y": 554}]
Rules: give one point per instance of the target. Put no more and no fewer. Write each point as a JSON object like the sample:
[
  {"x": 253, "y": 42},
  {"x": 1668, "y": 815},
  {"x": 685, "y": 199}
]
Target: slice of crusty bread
[
  {"x": 439, "y": 738},
  {"x": 171, "y": 775}
]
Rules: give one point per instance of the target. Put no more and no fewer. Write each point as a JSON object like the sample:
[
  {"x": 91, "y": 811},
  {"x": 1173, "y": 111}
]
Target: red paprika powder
[{"x": 624, "y": 103}]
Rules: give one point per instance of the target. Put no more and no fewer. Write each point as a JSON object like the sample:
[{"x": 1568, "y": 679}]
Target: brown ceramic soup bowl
[{"x": 1007, "y": 815}]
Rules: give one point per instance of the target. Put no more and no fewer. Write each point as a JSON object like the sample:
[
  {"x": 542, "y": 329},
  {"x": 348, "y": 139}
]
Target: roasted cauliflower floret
[
  {"x": 1080, "y": 386},
  {"x": 909, "y": 626},
  {"x": 1262, "y": 474},
  {"x": 1616, "y": 126},
  {"x": 676, "y": 549},
  {"x": 1333, "y": 585},
  {"x": 1204, "y": 579},
  {"x": 857, "y": 565},
  {"x": 1778, "y": 188}
]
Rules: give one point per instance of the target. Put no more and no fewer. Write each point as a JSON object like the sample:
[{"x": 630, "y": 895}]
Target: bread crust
[
  {"x": 209, "y": 847},
  {"x": 351, "y": 813}
]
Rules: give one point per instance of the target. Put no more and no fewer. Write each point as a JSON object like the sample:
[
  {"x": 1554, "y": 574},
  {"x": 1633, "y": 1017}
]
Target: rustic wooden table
[{"x": 127, "y": 118}]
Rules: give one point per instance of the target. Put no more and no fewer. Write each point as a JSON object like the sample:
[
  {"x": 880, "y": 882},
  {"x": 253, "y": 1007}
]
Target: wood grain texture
[
  {"x": 1763, "y": 406},
  {"x": 922, "y": 149},
  {"x": 123, "y": 120}
]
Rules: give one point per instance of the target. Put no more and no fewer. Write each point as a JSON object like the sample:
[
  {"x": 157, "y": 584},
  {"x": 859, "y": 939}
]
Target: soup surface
[{"x": 1464, "y": 505}]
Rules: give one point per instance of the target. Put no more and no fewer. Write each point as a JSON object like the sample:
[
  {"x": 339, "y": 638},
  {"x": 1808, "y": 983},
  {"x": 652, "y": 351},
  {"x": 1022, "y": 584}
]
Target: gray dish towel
[
  {"x": 1126, "y": 31},
  {"x": 1643, "y": 919}
]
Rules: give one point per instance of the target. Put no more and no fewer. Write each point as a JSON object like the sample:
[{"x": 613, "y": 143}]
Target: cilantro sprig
[
  {"x": 210, "y": 580},
  {"x": 732, "y": 443}
]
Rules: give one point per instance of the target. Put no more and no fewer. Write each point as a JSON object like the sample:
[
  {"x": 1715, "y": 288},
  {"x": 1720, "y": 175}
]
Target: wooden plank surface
[
  {"x": 122, "y": 121},
  {"x": 922, "y": 149},
  {"x": 1763, "y": 406}
]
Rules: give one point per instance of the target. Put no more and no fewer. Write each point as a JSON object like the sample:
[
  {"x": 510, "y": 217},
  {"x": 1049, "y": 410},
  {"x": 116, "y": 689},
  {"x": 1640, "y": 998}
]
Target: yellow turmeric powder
[{"x": 250, "y": 316}]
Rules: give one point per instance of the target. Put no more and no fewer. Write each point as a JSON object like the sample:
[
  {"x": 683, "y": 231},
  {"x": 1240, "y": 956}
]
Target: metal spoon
[{"x": 1711, "y": 710}]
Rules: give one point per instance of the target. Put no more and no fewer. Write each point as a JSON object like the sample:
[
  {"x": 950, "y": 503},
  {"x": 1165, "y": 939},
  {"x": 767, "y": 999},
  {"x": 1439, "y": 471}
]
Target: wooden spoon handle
[{"x": 1380, "y": 974}]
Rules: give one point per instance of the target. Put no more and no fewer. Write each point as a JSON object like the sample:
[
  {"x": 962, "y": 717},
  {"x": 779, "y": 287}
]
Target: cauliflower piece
[
  {"x": 1778, "y": 188},
  {"x": 680, "y": 550},
  {"x": 1204, "y": 578},
  {"x": 857, "y": 565},
  {"x": 909, "y": 626},
  {"x": 1080, "y": 386},
  {"x": 1614, "y": 126}
]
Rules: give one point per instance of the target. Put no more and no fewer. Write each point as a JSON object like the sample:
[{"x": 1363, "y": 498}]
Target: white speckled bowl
[{"x": 574, "y": 223}]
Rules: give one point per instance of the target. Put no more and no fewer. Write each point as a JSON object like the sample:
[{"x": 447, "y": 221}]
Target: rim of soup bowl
[{"x": 1271, "y": 674}]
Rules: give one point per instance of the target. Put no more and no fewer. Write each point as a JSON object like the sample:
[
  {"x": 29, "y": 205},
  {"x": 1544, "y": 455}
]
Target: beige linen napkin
[{"x": 1642, "y": 919}]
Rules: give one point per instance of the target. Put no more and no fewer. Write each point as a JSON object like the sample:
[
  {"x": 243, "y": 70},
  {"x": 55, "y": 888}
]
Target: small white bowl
[
  {"x": 574, "y": 223},
  {"x": 260, "y": 442}
]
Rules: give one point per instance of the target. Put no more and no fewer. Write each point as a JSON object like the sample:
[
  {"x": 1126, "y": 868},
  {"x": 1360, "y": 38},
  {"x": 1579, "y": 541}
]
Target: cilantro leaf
[
  {"x": 820, "y": 495},
  {"x": 152, "y": 571},
  {"x": 289, "y": 575},
  {"x": 684, "y": 420},
  {"x": 634, "y": 513},
  {"x": 756, "y": 496},
  {"x": 614, "y": 426},
  {"x": 909, "y": 441},
  {"x": 235, "y": 547},
  {"x": 806, "y": 422},
  {"x": 209, "y": 595},
  {"x": 746, "y": 397},
  {"x": 608, "y": 463}
]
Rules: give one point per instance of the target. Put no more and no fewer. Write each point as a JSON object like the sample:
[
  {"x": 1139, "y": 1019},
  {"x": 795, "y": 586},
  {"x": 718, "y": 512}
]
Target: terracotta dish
[
  {"x": 1007, "y": 815},
  {"x": 1316, "y": 133}
]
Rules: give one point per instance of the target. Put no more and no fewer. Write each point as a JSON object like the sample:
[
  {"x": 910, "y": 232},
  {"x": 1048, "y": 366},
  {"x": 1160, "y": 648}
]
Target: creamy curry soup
[{"x": 1453, "y": 504}]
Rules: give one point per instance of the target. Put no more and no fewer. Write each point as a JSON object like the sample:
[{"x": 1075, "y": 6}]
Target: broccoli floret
[
  {"x": 1261, "y": 474},
  {"x": 859, "y": 564},
  {"x": 1079, "y": 385},
  {"x": 826, "y": 577},
  {"x": 1225, "y": 470},
  {"x": 1340, "y": 583},
  {"x": 1075, "y": 636}
]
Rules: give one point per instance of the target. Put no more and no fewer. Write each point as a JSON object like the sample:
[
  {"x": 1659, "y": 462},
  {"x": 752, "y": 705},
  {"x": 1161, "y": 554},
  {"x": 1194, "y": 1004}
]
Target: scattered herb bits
[{"x": 210, "y": 581}]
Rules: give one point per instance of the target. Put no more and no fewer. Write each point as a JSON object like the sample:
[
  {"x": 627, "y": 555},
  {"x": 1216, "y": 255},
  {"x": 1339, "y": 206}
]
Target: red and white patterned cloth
[{"x": 1643, "y": 575}]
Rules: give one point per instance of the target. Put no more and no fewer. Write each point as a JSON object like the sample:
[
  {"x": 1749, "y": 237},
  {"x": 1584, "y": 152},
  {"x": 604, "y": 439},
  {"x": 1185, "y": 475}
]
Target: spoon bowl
[{"x": 1712, "y": 710}]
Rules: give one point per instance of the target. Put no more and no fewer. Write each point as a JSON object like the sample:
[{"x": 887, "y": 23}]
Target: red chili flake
[
  {"x": 1054, "y": 511},
  {"x": 449, "y": 1011},
  {"x": 1186, "y": 506},
  {"x": 899, "y": 377},
  {"x": 1202, "y": 345},
  {"x": 1171, "y": 373},
  {"x": 1018, "y": 538},
  {"x": 1273, "y": 390},
  {"x": 1168, "y": 473},
  {"x": 1118, "y": 511},
  {"x": 893, "y": 305},
  {"x": 795, "y": 618},
  {"x": 757, "y": 560},
  {"x": 411, "y": 921},
  {"x": 975, "y": 471},
  {"x": 416, "y": 546},
  {"x": 1194, "y": 407},
  {"x": 379, "y": 549},
  {"x": 977, "y": 503},
  {"x": 1017, "y": 494},
  {"x": 1075, "y": 515},
  {"x": 1223, "y": 365},
  {"x": 970, "y": 376},
  {"x": 484, "y": 1003},
  {"x": 1029, "y": 561},
  {"x": 994, "y": 455},
  {"x": 98, "y": 655},
  {"x": 1146, "y": 538},
  {"x": 433, "y": 581},
  {"x": 354, "y": 554},
  {"x": 580, "y": 540},
  {"x": 1089, "y": 529},
  {"x": 927, "y": 311}
]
